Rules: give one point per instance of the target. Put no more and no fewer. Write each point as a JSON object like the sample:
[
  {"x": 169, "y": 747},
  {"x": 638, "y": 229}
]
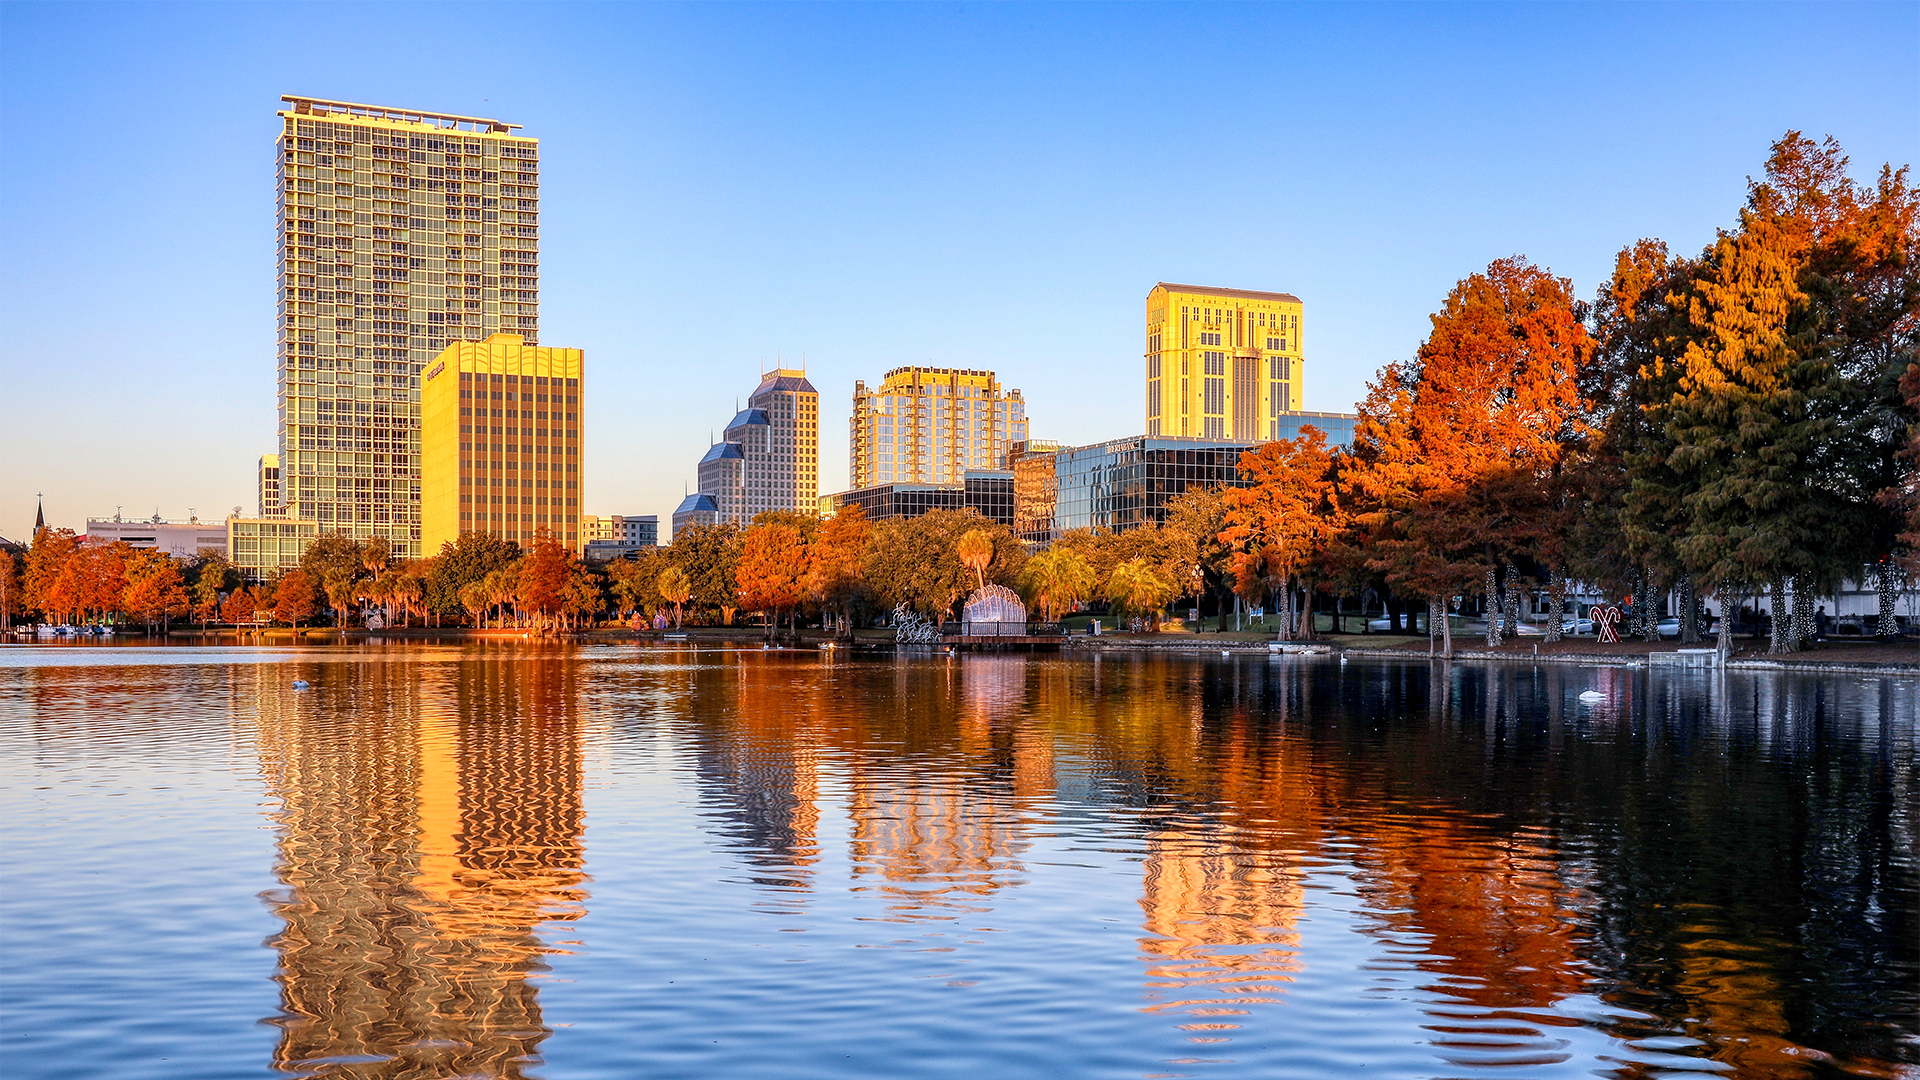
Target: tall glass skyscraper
[{"x": 399, "y": 231}]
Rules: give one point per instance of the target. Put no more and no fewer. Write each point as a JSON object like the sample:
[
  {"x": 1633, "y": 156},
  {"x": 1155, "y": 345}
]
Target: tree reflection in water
[
  {"x": 1525, "y": 862},
  {"x": 1703, "y": 866}
]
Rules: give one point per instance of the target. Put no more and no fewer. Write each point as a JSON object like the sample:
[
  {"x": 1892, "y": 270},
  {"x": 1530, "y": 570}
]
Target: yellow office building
[
  {"x": 1221, "y": 363},
  {"x": 500, "y": 442}
]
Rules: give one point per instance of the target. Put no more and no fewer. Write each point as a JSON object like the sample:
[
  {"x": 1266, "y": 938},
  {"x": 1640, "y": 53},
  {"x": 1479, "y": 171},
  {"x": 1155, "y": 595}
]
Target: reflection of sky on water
[{"x": 1004, "y": 865}]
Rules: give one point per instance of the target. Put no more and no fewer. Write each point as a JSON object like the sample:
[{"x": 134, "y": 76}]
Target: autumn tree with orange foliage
[
  {"x": 540, "y": 588},
  {"x": 773, "y": 571},
  {"x": 833, "y": 572},
  {"x": 294, "y": 598},
  {"x": 1456, "y": 452},
  {"x": 156, "y": 590},
  {"x": 1282, "y": 523}
]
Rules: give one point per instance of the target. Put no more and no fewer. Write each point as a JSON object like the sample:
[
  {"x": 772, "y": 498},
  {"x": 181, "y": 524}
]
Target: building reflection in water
[{"x": 430, "y": 822}]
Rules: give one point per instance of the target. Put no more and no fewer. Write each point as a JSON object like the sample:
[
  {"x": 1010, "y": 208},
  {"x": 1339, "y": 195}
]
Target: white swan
[
  {"x": 301, "y": 684},
  {"x": 1588, "y": 697}
]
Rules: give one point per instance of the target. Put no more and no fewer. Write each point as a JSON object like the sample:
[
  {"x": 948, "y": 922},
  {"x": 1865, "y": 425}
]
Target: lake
[{"x": 510, "y": 860}]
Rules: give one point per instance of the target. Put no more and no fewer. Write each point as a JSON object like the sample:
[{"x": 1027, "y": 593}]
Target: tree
[
  {"x": 468, "y": 558},
  {"x": 915, "y": 560},
  {"x": 333, "y": 555},
  {"x": 1456, "y": 452},
  {"x": 293, "y": 598},
  {"x": 833, "y": 578},
  {"x": 45, "y": 561},
  {"x": 710, "y": 555},
  {"x": 675, "y": 589},
  {"x": 156, "y": 590},
  {"x": 1136, "y": 588},
  {"x": 1281, "y": 523},
  {"x": 1196, "y": 518},
  {"x": 541, "y": 585},
  {"x": 9, "y": 588},
  {"x": 1057, "y": 580},
  {"x": 238, "y": 607},
  {"x": 772, "y": 571},
  {"x": 585, "y": 596},
  {"x": 212, "y": 575},
  {"x": 975, "y": 551}
]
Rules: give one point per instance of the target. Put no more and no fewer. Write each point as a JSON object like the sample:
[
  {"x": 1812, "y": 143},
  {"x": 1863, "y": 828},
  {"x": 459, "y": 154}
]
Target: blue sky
[{"x": 991, "y": 186}]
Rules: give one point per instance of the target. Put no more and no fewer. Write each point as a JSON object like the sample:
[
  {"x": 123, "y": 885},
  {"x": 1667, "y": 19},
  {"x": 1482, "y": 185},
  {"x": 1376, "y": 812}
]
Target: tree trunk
[
  {"x": 1513, "y": 599},
  {"x": 1306, "y": 612},
  {"x": 1689, "y": 611},
  {"x": 1778, "y": 611},
  {"x": 1433, "y": 612},
  {"x": 1493, "y": 609},
  {"x": 1446, "y": 630},
  {"x": 1887, "y": 628},
  {"x": 1557, "y": 601},
  {"x": 1724, "y": 641},
  {"x": 1802, "y": 612},
  {"x": 1286, "y": 609}
]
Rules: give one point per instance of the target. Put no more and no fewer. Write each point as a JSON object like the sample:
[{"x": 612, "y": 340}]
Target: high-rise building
[
  {"x": 500, "y": 442},
  {"x": 1222, "y": 364},
  {"x": 400, "y": 232},
  {"x": 931, "y": 425},
  {"x": 767, "y": 459}
]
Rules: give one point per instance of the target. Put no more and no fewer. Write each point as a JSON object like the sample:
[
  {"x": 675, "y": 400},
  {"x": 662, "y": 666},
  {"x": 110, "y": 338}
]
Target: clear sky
[{"x": 992, "y": 186}]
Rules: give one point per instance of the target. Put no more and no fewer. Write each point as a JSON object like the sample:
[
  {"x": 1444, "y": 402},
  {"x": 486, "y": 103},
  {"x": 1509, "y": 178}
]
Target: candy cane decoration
[{"x": 1604, "y": 620}]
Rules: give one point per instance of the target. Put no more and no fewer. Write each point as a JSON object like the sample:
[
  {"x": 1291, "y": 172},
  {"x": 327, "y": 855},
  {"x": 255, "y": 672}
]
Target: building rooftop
[
  {"x": 1238, "y": 294},
  {"x": 746, "y": 417},
  {"x": 357, "y": 110},
  {"x": 721, "y": 450},
  {"x": 784, "y": 379},
  {"x": 696, "y": 502}
]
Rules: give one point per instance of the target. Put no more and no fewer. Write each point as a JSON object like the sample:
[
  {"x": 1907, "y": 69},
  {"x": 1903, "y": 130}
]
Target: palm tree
[
  {"x": 976, "y": 553},
  {"x": 674, "y": 589},
  {"x": 1136, "y": 587},
  {"x": 1056, "y": 580},
  {"x": 475, "y": 598}
]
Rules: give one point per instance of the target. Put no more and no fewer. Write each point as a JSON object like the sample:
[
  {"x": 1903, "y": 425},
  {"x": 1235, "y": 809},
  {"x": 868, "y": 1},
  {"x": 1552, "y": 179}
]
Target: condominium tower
[
  {"x": 400, "y": 232},
  {"x": 931, "y": 425},
  {"x": 500, "y": 442},
  {"x": 1222, "y": 364},
  {"x": 767, "y": 459}
]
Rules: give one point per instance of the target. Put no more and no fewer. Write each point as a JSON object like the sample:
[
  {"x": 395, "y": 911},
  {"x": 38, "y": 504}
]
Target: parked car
[{"x": 1581, "y": 625}]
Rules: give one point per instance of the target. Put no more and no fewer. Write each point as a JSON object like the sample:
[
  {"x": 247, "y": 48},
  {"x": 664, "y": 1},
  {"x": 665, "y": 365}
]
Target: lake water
[{"x": 562, "y": 862}]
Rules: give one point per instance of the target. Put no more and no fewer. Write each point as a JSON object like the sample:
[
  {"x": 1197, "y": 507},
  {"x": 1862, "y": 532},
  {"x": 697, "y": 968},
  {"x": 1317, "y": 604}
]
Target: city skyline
[{"x": 1383, "y": 195}]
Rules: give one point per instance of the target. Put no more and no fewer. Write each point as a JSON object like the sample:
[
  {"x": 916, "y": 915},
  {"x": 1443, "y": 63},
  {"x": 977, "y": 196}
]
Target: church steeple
[{"x": 39, "y": 512}]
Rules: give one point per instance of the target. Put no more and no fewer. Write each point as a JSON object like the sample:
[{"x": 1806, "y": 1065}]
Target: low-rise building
[
  {"x": 638, "y": 529},
  {"x": 263, "y": 547},
  {"x": 990, "y": 491},
  {"x": 180, "y": 539}
]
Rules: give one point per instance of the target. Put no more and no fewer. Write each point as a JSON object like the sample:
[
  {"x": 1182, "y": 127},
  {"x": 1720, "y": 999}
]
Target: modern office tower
[
  {"x": 400, "y": 232},
  {"x": 500, "y": 442},
  {"x": 767, "y": 459},
  {"x": 1222, "y": 364},
  {"x": 269, "y": 485},
  {"x": 931, "y": 425}
]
